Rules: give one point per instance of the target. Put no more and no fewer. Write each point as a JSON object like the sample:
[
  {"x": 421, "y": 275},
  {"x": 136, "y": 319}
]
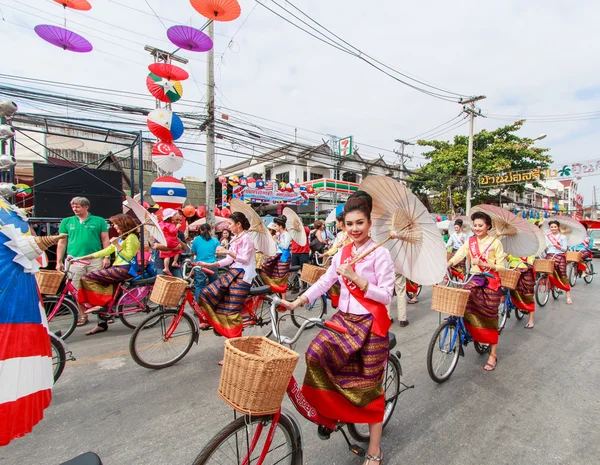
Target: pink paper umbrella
[
  {"x": 190, "y": 39},
  {"x": 63, "y": 38}
]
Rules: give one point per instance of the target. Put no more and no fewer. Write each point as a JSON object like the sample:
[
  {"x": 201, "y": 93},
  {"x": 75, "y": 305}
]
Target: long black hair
[
  {"x": 238, "y": 217},
  {"x": 205, "y": 231}
]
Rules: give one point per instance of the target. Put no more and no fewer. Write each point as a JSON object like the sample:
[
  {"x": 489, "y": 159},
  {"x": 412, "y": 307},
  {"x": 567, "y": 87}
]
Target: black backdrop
[{"x": 52, "y": 198}]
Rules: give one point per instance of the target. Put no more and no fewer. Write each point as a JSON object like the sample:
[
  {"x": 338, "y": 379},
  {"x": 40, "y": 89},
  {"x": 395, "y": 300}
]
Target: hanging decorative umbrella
[
  {"x": 25, "y": 355},
  {"x": 163, "y": 89},
  {"x": 189, "y": 38},
  {"x": 81, "y": 5},
  {"x": 149, "y": 220},
  {"x": 23, "y": 191},
  {"x": 63, "y": 38},
  {"x": 218, "y": 10},
  {"x": 294, "y": 226},
  {"x": 331, "y": 218},
  {"x": 403, "y": 224},
  {"x": 514, "y": 232},
  {"x": 168, "y": 71},
  {"x": 168, "y": 192},
  {"x": 165, "y": 124},
  {"x": 570, "y": 227},
  {"x": 167, "y": 156},
  {"x": 261, "y": 236}
]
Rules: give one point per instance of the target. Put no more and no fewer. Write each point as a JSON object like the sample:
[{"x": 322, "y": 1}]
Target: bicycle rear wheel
[
  {"x": 391, "y": 389},
  {"x": 556, "y": 293},
  {"x": 442, "y": 354},
  {"x": 502, "y": 314},
  {"x": 258, "y": 323},
  {"x": 520, "y": 313},
  {"x": 65, "y": 318},
  {"x": 542, "y": 291},
  {"x": 315, "y": 310},
  {"x": 148, "y": 345},
  {"x": 232, "y": 444},
  {"x": 132, "y": 313},
  {"x": 589, "y": 273},
  {"x": 59, "y": 357}
]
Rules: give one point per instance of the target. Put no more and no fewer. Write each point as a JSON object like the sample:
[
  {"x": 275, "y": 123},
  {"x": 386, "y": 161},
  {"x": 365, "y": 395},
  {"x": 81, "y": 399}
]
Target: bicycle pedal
[{"x": 357, "y": 450}]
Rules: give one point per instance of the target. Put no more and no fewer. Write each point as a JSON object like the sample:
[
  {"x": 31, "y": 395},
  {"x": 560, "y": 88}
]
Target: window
[
  {"x": 283, "y": 177},
  {"x": 315, "y": 176},
  {"x": 304, "y": 176},
  {"x": 268, "y": 173},
  {"x": 349, "y": 177}
]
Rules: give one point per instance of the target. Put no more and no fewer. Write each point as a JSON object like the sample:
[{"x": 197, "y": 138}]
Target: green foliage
[{"x": 494, "y": 152}]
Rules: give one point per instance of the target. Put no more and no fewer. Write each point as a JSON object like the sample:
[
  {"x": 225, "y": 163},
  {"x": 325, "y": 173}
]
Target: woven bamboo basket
[
  {"x": 167, "y": 290},
  {"x": 49, "y": 281},
  {"x": 573, "y": 257},
  {"x": 311, "y": 273},
  {"x": 256, "y": 372},
  {"x": 509, "y": 278},
  {"x": 449, "y": 300},
  {"x": 544, "y": 266}
]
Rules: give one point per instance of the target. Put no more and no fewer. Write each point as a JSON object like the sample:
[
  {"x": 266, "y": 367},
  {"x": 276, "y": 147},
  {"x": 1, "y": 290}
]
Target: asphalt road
[{"x": 540, "y": 406}]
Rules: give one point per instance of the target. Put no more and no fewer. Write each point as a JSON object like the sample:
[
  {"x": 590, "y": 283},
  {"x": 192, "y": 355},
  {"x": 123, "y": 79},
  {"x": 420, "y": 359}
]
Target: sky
[{"x": 532, "y": 59}]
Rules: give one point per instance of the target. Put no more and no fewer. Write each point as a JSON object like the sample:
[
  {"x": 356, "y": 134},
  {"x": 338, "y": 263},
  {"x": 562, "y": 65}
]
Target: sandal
[
  {"x": 529, "y": 326},
  {"x": 569, "y": 301},
  {"x": 82, "y": 321},
  {"x": 377, "y": 459},
  {"x": 96, "y": 330},
  {"x": 488, "y": 366}
]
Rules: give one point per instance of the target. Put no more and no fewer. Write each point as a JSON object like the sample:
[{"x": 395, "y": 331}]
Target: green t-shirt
[{"x": 84, "y": 237}]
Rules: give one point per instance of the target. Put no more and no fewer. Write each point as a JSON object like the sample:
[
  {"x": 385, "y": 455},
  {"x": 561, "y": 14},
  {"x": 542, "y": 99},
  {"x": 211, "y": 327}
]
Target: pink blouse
[
  {"x": 377, "y": 268},
  {"x": 245, "y": 256}
]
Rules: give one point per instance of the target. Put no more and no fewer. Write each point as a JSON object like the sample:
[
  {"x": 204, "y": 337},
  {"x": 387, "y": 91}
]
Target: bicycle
[
  {"x": 506, "y": 308},
  {"x": 60, "y": 355},
  {"x": 174, "y": 331},
  {"x": 130, "y": 301},
  {"x": 249, "y": 439},
  {"x": 448, "y": 341},
  {"x": 575, "y": 272},
  {"x": 543, "y": 288}
]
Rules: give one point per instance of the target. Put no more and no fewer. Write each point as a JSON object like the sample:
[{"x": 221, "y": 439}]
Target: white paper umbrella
[
  {"x": 569, "y": 227},
  {"x": 540, "y": 238},
  {"x": 167, "y": 156},
  {"x": 261, "y": 236},
  {"x": 294, "y": 226},
  {"x": 219, "y": 221},
  {"x": 410, "y": 234},
  {"x": 149, "y": 220}
]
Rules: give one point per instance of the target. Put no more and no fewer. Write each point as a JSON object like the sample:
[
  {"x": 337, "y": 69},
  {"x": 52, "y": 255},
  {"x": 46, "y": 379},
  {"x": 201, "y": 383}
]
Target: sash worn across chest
[
  {"x": 493, "y": 282},
  {"x": 555, "y": 242}
]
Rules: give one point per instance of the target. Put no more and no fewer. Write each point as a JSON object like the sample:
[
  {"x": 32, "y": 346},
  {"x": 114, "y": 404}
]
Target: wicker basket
[
  {"x": 509, "y": 278},
  {"x": 544, "y": 266},
  {"x": 256, "y": 372},
  {"x": 49, "y": 281},
  {"x": 311, "y": 273},
  {"x": 573, "y": 257},
  {"x": 167, "y": 290},
  {"x": 449, "y": 300}
]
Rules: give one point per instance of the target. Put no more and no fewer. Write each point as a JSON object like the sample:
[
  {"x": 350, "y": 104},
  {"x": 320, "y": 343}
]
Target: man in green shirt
[{"x": 87, "y": 234}]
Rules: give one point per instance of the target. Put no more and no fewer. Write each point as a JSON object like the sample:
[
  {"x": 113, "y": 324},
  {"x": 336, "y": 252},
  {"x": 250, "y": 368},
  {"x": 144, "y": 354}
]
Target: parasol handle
[
  {"x": 372, "y": 249},
  {"x": 131, "y": 230}
]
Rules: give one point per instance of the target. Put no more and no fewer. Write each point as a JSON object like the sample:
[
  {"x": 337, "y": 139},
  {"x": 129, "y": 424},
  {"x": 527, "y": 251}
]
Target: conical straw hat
[{"x": 45, "y": 242}]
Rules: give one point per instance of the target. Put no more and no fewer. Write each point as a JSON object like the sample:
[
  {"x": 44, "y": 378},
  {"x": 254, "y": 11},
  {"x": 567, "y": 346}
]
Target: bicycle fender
[
  {"x": 60, "y": 341},
  {"x": 398, "y": 360},
  {"x": 297, "y": 432}
]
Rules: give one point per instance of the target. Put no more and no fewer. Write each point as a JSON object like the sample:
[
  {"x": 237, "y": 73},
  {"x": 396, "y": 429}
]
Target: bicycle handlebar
[{"x": 74, "y": 260}]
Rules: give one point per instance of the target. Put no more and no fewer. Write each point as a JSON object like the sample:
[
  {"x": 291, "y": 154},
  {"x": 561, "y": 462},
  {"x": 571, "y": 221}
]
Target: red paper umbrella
[
  {"x": 218, "y": 10},
  {"x": 167, "y": 71},
  {"x": 82, "y": 5}
]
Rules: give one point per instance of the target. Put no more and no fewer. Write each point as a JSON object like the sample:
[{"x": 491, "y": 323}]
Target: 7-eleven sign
[{"x": 345, "y": 146}]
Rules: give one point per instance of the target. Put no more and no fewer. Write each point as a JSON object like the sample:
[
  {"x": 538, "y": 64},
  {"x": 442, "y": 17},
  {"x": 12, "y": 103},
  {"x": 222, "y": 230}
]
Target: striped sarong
[
  {"x": 274, "y": 273},
  {"x": 523, "y": 296},
  {"x": 223, "y": 302},
  {"x": 344, "y": 372},
  {"x": 481, "y": 316},
  {"x": 559, "y": 278},
  {"x": 97, "y": 288},
  {"x": 458, "y": 270},
  {"x": 584, "y": 254}
]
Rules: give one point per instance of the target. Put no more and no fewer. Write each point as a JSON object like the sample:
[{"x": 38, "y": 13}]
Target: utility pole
[
  {"x": 595, "y": 205},
  {"x": 402, "y": 156},
  {"x": 210, "y": 132},
  {"x": 469, "y": 108}
]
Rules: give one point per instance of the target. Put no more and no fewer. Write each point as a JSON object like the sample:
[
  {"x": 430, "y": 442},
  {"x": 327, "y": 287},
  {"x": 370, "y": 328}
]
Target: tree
[{"x": 494, "y": 152}]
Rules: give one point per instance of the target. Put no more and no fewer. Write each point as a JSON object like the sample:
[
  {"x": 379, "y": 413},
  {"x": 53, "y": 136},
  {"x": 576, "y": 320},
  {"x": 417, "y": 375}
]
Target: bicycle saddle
[
  {"x": 295, "y": 268},
  {"x": 143, "y": 282},
  {"x": 89, "y": 458},
  {"x": 589, "y": 259},
  {"x": 260, "y": 290}
]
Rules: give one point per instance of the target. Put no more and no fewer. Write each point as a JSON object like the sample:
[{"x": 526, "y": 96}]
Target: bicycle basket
[
  {"x": 449, "y": 300},
  {"x": 256, "y": 372},
  {"x": 167, "y": 290},
  {"x": 573, "y": 257},
  {"x": 544, "y": 266},
  {"x": 311, "y": 273},
  {"x": 509, "y": 278},
  {"x": 49, "y": 281}
]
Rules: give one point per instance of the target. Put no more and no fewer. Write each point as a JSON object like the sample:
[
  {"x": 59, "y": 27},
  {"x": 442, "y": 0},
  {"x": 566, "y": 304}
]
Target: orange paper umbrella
[
  {"x": 82, "y": 5},
  {"x": 167, "y": 71},
  {"x": 218, "y": 10}
]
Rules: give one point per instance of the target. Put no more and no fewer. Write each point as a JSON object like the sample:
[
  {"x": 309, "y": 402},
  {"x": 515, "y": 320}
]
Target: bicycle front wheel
[
  {"x": 59, "y": 357},
  {"x": 314, "y": 310},
  {"x": 443, "y": 352},
  {"x": 573, "y": 273},
  {"x": 542, "y": 291},
  {"x": 555, "y": 293},
  {"x": 391, "y": 389},
  {"x": 245, "y": 438},
  {"x": 149, "y": 346},
  {"x": 520, "y": 314},
  {"x": 589, "y": 273},
  {"x": 502, "y": 314},
  {"x": 64, "y": 320}
]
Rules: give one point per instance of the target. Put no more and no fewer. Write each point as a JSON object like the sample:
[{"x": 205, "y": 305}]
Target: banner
[{"x": 248, "y": 194}]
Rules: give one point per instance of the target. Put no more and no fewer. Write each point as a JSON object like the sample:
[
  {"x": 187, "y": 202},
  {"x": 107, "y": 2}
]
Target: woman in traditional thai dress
[
  {"x": 585, "y": 249},
  {"x": 274, "y": 270},
  {"x": 487, "y": 255},
  {"x": 556, "y": 247},
  {"x": 223, "y": 300},
  {"x": 97, "y": 287},
  {"x": 344, "y": 373},
  {"x": 523, "y": 296},
  {"x": 456, "y": 241}
]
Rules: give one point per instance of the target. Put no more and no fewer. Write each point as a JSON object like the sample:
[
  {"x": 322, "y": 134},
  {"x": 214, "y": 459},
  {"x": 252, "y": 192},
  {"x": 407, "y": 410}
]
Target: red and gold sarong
[
  {"x": 274, "y": 273},
  {"x": 97, "y": 288},
  {"x": 559, "y": 278},
  {"x": 523, "y": 296},
  {"x": 481, "y": 316}
]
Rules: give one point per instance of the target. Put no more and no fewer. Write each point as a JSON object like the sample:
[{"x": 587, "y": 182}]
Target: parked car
[{"x": 595, "y": 234}]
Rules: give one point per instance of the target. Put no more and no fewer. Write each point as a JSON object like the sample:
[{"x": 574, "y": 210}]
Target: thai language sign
[{"x": 270, "y": 196}]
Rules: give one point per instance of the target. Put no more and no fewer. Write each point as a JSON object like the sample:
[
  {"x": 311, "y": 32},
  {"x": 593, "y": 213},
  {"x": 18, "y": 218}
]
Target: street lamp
[{"x": 540, "y": 137}]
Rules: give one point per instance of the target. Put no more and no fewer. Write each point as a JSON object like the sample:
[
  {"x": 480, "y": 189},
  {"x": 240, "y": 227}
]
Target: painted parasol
[
  {"x": 220, "y": 224},
  {"x": 81, "y": 5},
  {"x": 515, "y": 233},
  {"x": 189, "y": 38},
  {"x": 294, "y": 226},
  {"x": 258, "y": 231},
  {"x": 570, "y": 227},
  {"x": 403, "y": 224},
  {"x": 331, "y": 218},
  {"x": 165, "y": 124},
  {"x": 218, "y": 10},
  {"x": 63, "y": 38},
  {"x": 168, "y": 71},
  {"x": 149, "y": 220},
  {"x": 167, "y": 156},
  {"x": 540, "y": 238},
  {"x": 163, "y": 89}
]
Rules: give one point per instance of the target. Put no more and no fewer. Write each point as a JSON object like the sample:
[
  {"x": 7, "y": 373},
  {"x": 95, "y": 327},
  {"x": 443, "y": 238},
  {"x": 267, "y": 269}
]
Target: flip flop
[
  {"x": 529, "y": 326},
  {"x": 569, "y": 302},
  {"x": 96, "y": 330}
]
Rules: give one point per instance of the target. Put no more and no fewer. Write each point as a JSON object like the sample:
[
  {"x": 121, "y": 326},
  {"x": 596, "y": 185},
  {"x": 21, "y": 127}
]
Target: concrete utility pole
[
  {"x": 595, "y": 217},
  {"x": 469, "y": 108},
  {"x": 402, "y": 156},
  {"x": 210, "y": 132}
]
